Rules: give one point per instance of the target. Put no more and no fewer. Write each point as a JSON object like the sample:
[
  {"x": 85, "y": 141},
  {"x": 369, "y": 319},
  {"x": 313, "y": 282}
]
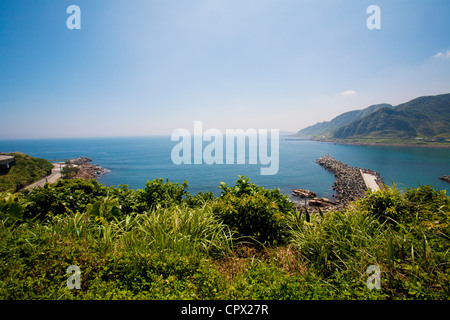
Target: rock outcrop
[
  {"x": 87, "y": 170},
  {"x": 322, "y": 202},
  {"x": 445, "y": 178},
  {"x": 303, "y": 193}
]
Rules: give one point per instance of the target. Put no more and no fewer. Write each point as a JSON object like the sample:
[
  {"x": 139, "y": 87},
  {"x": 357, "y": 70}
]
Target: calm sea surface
[{"x": 133, "y": 161}]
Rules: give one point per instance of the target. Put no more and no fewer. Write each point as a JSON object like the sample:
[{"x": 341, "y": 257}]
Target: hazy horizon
[{"x": 147, "y": 68}]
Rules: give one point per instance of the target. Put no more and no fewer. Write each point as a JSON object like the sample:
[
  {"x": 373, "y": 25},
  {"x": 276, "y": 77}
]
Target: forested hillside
[
  {"x": 26, "y": 171},
  {"x": 422, "y": 120},
  {"x": 424, "y": 117},
  {"x": 326, "y": 128}
]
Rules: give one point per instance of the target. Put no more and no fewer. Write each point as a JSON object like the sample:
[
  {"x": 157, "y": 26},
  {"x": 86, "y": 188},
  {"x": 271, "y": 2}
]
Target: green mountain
[
  {"x": 326, "y": 128},
  {"x": 424, "y": 117}
]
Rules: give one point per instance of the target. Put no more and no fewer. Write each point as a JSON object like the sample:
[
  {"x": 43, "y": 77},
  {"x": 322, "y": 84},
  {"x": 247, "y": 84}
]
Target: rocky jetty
[
  {"x": 445, "y": 178},
  {"x": 349, "y": 184}
]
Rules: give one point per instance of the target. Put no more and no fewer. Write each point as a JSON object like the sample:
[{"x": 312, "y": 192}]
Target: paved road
[
  {"x": 52, "y": 178},
  {"x": 370, "y": 181}
]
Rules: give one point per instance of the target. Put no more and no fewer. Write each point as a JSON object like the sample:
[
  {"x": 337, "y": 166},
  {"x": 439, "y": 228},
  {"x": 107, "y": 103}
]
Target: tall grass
[
  {"x": 338, "y": 240},
  {"x": 405, "y": 234},
  {"x": 138, "y": 253},
  {"x": 179, "y": 229}
]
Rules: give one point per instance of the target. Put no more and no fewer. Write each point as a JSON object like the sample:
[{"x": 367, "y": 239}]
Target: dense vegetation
[
  {"x": 26, "y": 171},
  {"x": 247, "y": 243},
  {"x": 426, "y": 118}
]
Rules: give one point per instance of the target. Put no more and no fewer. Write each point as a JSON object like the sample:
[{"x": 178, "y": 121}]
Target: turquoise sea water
[{"x": 133, "y": 161}]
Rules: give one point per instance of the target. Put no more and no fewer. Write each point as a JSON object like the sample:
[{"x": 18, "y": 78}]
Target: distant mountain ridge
[
  {"x": 327, "y": 127},
  {"x": 425, "y": 117}
]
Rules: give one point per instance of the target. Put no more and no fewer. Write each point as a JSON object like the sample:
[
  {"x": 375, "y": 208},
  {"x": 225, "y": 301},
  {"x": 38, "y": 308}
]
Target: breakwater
[{"x": 349, "y": 184}]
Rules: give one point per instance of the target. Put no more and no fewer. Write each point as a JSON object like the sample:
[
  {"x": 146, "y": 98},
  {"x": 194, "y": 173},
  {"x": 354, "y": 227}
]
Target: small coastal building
[{"x": 7, "y": 161}]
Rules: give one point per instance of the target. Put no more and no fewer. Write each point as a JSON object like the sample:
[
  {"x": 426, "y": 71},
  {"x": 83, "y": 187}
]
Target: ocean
[{"x": 134, "y": 161}]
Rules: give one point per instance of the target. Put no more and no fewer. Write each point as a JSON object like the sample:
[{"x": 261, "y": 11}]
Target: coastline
[
  {"x": 381, "y": 144},
  {"x": 83, "y": 170},
  {"x": 86, "y": 170}
]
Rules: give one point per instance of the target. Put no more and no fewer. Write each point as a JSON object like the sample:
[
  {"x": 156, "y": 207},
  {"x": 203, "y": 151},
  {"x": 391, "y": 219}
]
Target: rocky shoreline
[
  {"x": 87, "y": 170},
  {"x": 349, "y": 184},
  {"x": 445, "y": 178}
]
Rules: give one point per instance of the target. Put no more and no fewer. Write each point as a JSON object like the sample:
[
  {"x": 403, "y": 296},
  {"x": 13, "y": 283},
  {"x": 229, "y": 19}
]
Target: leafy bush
[
  {"x": 157, "y": 192},
  {"x": 69, "y": 171},
  {"x": 11, "y": 207},
  {"x": 254, "y": 212},
  {"x": 385, "y": 205},
  {"x": 63, "y": 196},
  {"x": 130, "y": 200},
  {"x": 200, "y": 199},
  {"x": 243, "y": 186}
]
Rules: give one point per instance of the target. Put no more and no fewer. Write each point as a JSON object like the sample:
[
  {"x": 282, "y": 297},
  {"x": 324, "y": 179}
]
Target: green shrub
[
  {"x": 200, "y": 199},
  {"x": 254, "y": 213},
  {"x": 69, "y": 171},
  {"x": 165, "y": 194},
  {"x": 130, "y": 200},
  {"x": 385, "y": 205},
  {"x": 12, "y": 207},
  {"x": 63, "y": 196},
  {"x": 243, "y": 187}
]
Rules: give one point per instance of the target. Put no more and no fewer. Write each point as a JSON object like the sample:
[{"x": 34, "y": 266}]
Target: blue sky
[{"x": 148, "y": 67}]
